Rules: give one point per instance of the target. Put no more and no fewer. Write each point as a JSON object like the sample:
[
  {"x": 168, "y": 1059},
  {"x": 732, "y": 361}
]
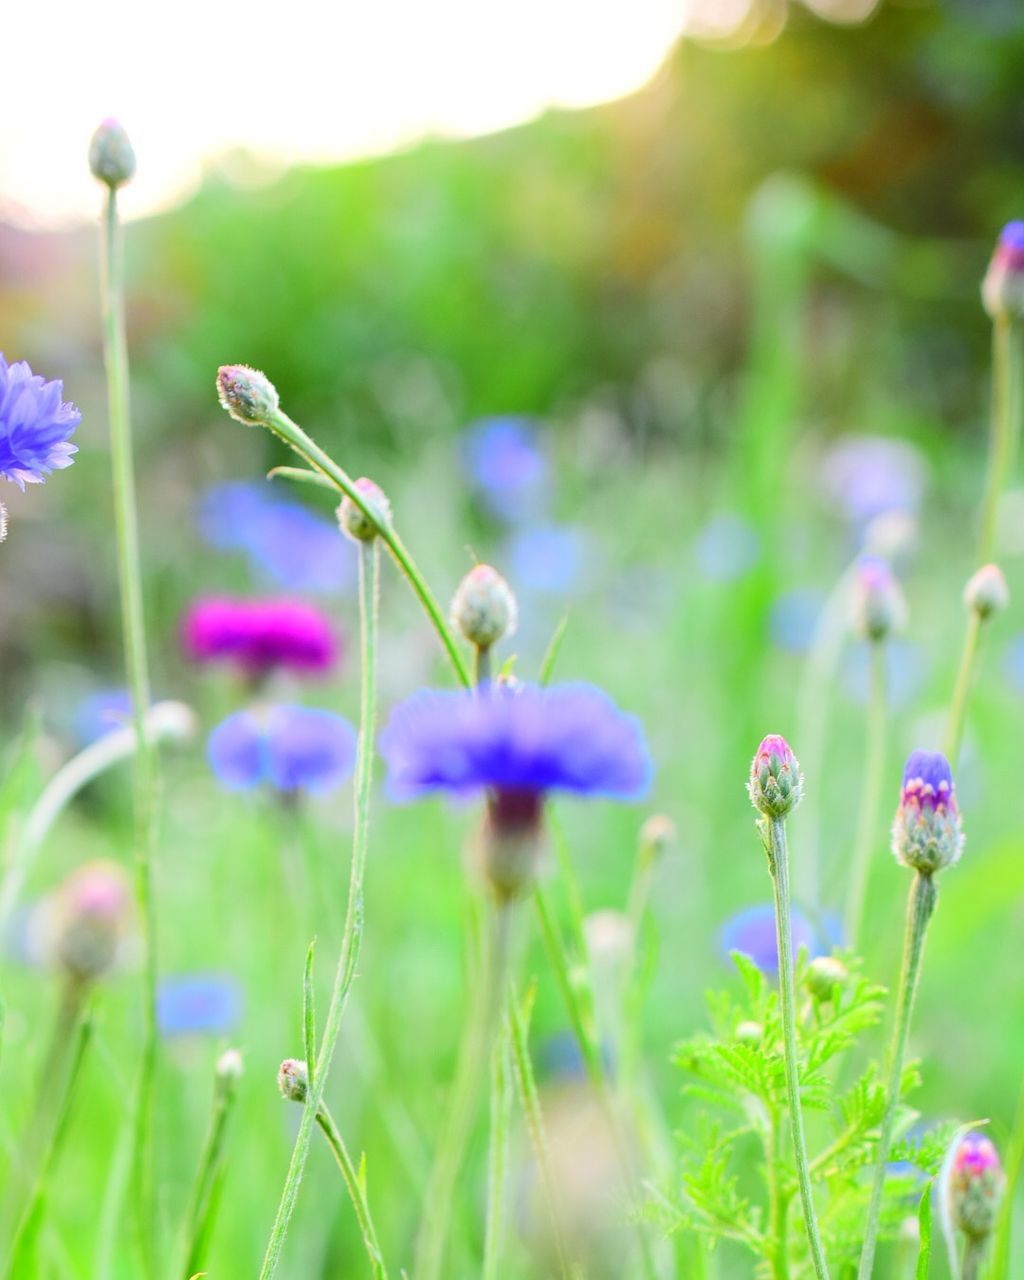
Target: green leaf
[{"x": 924, "y": 1219}]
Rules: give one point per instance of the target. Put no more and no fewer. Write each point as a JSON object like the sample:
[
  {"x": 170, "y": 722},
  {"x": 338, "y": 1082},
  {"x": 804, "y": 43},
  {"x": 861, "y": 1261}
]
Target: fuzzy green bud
[
  {"x": 824, "y": 977},
  {"x": 749, "y": 1032},
  {"x": 229, "y": 1066},
  {"x": 293, "y": 1080},
  {"x": 248, "y": 395},
  {"x": 776, "y": 783},
  {"x": 657, "y": 835},
  {"x": 878, "y": 604},
  {"x": 484, "y": 608},
  {"x": 354, "y": 522},
  {"x": 111, "y": 157},
  {"x": 986, "y": 592}
]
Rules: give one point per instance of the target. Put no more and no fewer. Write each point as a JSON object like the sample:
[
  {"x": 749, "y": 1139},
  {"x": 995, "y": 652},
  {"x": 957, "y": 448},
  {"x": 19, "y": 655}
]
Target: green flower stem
[
  {"x": 962, "y": 688},
  {"x": 779, "y": 859},
  {"x": 871, "y": 793},
  {"x": 974, "y": 1255},
  {"x": 145, "y": 781},
  {"x": 497, "y": 1171},
  {"x": 369, "y": 599},
  {"x": 293, "y": 435},
  {"x": 202, "y": 1202},
  {"x": 478, "y": 1039},
  {"x": 1006, "y": 414},
  {"x": 920, "y": 905},
  {"x": 778, "y": 1201},
  {"x": 356, "y": 1183},
  {"x": 481, "y": 666}
]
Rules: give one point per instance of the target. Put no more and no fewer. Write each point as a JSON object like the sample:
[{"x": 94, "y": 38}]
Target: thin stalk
[
  {"x": 497, "y": 1163},
  {"x": 1004, "y": 1221},
  {"x": 355, "y": 1182},
  {"x": 115, "y": 349},
  {"x": 369, "y": 581},
  {"x": 1006, "y": 387},
  {"x": 974, "y": 1255},
  {"x": 481, "y": 666},
  {"x": 871, "y": 793},
  {"x": 962, "y": 688},
  {"x": 198, "y": 1218},
  {"x": 779, "y": 858},
  {"x": 778, "y": 1201},
  {"x": 294, "y": 436},
  {"x": 920, "y": 905},
  {"x": 477, "y": 1040}
]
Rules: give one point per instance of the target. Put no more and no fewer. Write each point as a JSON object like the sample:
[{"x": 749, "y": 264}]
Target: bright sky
[{"x": 320, "y": 80}]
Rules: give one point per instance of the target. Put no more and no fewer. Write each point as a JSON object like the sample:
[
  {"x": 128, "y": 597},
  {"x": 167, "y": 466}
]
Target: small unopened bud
[
  {"x": 657, "y": 835},
  {"x": 293, "y": 1080},
  {"x": 976, "y": 1185},
  {"x": 986, "y": 592},
  {"x": 484, "y": 608},
  {"x": 229, "y": 1066},
  {"x": 248, "y": 395},
  {"x": 609, "y": 937},
  {"x": 92, "y": 917},
  {"x": 927, "y": 834},
  {"x": 824, "y": 977},
  {"x": 878, "y": 604},
  {"x": 749, "y": 1032},
  {"x": 776, "y": 783},
  {"x": 111, "y": 157},
  {"x": 1002, "y": 290},
  {"x": 354, "y": 522}
]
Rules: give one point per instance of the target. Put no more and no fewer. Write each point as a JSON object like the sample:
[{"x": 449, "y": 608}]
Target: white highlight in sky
[{"x": 293, "y": 81}]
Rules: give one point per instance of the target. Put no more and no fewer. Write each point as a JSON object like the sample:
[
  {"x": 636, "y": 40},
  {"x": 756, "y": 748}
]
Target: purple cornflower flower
[
  {"x": 198, "y": 1002},
  {"x": 752, "y": 931},
  {"x": 926, "y": 833},
  {"x": 867, "y": 476},
  {"x": 36, "y": 425},
  {"x": 260, "y": 635},
  {"x": 976, "y": 1185},
  {"x": 504, "y": 463},
  {"x": 289, "y": 748}
]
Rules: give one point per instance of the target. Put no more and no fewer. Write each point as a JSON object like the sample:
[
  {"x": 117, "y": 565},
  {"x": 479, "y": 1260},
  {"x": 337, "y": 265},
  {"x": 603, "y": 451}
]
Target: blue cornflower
[
  {"x": 752, "y": 931},
  {"x": 35, "y": 425},
  {"x": 867, "y": 476},
  {"x": 289, "y": 748},
  {"x": 794, "y": 619},
  {"x": 198, "y": 1002},
  {"x": 102, "y": 712},
  {"x": 525, "y": 739},
  {"x": 548, "y": 558},
  {"x": 504, "y": 463}
]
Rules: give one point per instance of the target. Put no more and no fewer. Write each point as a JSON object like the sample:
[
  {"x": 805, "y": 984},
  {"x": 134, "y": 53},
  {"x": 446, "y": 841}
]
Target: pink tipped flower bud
[
  {"x": 657, "y": 836},
  {"x": 91, "y": 921},
  {"x": 229, "y": 1066},
  {"x": 976, "y": 1186},
  {"x": 248, "y": 395},
  {"x": 484, "y": 608},
  {"x": 293, "y": 1080},
  {"x": 986, "y": 592},
  {"x": 111, "y": 157},
  {"x": 927, "y": 833},
  {"x": 878, "y": 604},
  {"x": 776, "y": 783},
  {"x": 1002, "y": 290},
  {"x": 353, "y": 520}
]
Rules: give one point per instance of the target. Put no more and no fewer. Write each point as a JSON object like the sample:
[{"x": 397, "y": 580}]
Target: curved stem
[
  {"x": 779, "y": 859},
  {"x": 920, "y": 905},
  {"x": 356, "y": 1191},
  {"x": 962, "y": 688},
  {"x": 369, "y": 565},
  {"x": 870, "y": 797},
  {"x": 1006, "y": 379},
  {"x": 294, "y": 436},
  {"x": 134, "y": 634}
]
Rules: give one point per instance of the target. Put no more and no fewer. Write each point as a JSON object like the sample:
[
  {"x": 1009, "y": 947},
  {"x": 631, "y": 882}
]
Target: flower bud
[
  {"x": 229, "y": 1066},
  {"x": 976, "y": 1185},
  {"x": 111, "y": 157},
  {"x": 293, "y": 1080},
  {"x": 248, "y": 395},
  {"x": 749, "y": 1032},
  {"x": 657, "y": 835},
  {"x": 1002, "y": 290},
  {"x": 878, "y": 604},
  {"x": 354, "y": 523},
  {"x": 484, "y": 608},
  {"x": 776, "y": 783},
  {"x": 824, "y": 977},
  {"x": 986, "y": 592},
  {"x": 926, "y": 833},
  {"x": 91, "y": 920}
]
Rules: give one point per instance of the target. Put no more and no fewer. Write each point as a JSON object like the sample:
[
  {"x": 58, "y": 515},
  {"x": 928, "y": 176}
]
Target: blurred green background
[{"x": 696, "y": 292}]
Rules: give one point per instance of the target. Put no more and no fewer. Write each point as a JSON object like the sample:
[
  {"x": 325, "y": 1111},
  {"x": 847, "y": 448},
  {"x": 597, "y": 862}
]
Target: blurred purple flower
[
  {"x": 100, "y": 713},
  {"x": 866, "y": 476},
  {"x": 35, "y": 425},
  {"x": 505, "y": 466},
  {"x": 726, "y": 547},
  {"x": 208, "y": 1003},
  {"x": 289, "y": 748},
  {"x": 526, "y": 740},
  {"x": 550, "y": 559},
  {"x": 752, "y": 931},
  {"x": 794, "y": 618},
  {"x": 260, "y": 635}
]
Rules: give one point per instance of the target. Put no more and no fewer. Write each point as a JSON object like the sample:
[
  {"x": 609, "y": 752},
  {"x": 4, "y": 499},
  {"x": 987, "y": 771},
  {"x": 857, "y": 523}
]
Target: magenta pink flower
[{"x": 260, "y": 635}]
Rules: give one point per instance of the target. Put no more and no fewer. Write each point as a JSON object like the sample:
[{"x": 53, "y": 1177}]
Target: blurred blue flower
[
  {"x": 866, "y": 476},
  {"x": 1013, "y": 663},
  {"x": 726, "y": 547},
  {"x": 752, "y": 931},
  {"x": 285, "y": 543},
  {"x": 526, "y": 740},
  {"x": 36, "y": 425},
  {"x": 198, "y": 1002},
  {"x": 289, "y": 748},
  {"x": 794, "y": 618},
  {"x": 904, "y": 672},
  {"x": 100, "y": 713},
  {"x": 504, "y": 464},
  {"x": 548, "y": 558}
]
